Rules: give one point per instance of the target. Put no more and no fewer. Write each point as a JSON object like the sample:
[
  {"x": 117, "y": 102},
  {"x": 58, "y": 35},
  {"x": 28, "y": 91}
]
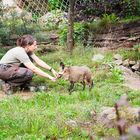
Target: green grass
[{"x": 45, "y": 115}]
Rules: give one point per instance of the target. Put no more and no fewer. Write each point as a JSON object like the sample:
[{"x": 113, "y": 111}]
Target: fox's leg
[
  {"x": 84, "y": 84},
  {"x": 91, "y": 84},
  {"x": 71, "y": 87}
]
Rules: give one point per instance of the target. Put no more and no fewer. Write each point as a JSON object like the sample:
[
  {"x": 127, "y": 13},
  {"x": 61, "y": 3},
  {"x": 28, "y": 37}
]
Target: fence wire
[
  {"x": 54, "y": 14},
  {"x": 42, "y": 7}
]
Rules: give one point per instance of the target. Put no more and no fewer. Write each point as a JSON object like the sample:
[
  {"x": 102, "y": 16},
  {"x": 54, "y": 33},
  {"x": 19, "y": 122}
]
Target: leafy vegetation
[{"x": 121, "y": 8}]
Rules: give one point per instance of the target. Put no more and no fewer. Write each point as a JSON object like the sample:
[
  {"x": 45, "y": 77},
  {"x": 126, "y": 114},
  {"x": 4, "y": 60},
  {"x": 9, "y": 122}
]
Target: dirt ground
[{"x": 23, "y": 95}]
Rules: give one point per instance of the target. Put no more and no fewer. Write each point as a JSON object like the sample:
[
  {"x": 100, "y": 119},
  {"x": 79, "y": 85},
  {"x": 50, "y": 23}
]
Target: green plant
[
  {"x": 132, "y": 55},
  {"x": 137, "y": 47},
  {"x": 53, "y": 4},
  {"x": 116, "y": 75},
  {"x": 108, "y": 20},
  {"x": 79, "y": 32}
]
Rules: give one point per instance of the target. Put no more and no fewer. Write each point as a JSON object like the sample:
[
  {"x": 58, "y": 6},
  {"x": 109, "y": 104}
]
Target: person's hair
[{"x": 25, "y": 40}]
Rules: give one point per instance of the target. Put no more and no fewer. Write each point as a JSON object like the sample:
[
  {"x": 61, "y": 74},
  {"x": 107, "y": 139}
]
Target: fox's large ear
[{"x": 62, "y": 65}]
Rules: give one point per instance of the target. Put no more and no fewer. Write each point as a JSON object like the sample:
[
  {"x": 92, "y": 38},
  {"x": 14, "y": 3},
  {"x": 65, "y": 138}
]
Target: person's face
[{"x": 33, "y": 47}]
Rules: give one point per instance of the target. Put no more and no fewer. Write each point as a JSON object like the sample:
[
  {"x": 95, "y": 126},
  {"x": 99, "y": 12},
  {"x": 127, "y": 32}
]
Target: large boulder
[{"x": 107, "y": 116}]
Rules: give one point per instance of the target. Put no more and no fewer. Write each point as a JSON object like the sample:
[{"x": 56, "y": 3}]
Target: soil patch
[{"x": 22, "y": 95}]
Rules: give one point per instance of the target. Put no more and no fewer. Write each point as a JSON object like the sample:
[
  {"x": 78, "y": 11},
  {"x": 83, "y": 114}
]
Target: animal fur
[{"x": 75, "y": 74}]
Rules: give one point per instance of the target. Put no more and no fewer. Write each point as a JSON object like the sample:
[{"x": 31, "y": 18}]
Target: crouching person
[{"x": 17, "y": 68}]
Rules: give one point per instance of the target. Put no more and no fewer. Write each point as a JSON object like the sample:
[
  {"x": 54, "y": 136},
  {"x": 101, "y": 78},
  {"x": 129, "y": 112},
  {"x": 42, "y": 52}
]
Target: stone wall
[{"x": 121, "y": 35}]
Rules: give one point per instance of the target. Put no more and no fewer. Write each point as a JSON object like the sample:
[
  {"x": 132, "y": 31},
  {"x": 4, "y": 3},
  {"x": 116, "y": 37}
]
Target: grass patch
[{"x": 45, "y": 115}]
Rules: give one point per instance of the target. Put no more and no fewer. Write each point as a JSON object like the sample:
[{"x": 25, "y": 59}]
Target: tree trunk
[{"x": 70, "y": 38}]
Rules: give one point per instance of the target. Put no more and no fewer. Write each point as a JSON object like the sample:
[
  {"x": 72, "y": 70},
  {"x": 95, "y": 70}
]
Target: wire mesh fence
[
  {"x": 18, "y": 17},
  {"x": 25, "y": 15},
  {"x": 41, "y": 7},
  {"x": 38, "y": 8}
]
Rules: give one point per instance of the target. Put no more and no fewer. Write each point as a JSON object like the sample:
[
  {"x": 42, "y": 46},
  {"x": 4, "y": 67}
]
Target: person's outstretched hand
[
  {"x": 53, "y": 79},
  {"x": 55, "y": 73}
]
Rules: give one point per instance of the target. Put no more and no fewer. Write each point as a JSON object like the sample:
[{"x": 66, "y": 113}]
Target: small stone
[
  {"x": 131, "y": 63},
  {"x": 93, "y": 113},
  {"x": 135, "y": 130},
  {"x": 126, "y": 62},
  {"x": 42, "y": 88},
  {"x": 72, "y": 123},
  {"x": 137, "y": 72},
  {"x": 118, "y": 62},
  {"x": 135, "y": 67},
  {"x": 117, "y": 57},
  {"x": 32, "y": 89},
  {"x": 98, "y": 57}
]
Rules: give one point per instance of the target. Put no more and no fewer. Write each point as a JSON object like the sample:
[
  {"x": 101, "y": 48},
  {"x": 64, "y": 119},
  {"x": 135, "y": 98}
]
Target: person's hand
[
  {"x": 53, "y": 79},
  {"x": 55, "y": 73}
]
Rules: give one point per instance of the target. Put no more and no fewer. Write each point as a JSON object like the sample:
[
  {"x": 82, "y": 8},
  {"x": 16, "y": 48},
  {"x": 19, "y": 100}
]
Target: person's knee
[{"x": 29, "y": 74}]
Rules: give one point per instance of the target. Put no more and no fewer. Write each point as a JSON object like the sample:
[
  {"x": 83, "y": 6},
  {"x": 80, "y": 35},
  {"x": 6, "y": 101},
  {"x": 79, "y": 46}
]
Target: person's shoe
[
  {"x": 24, "y": 88},
  {"x": 28, "y": 88},
  {"x": 6, "y": 88}
]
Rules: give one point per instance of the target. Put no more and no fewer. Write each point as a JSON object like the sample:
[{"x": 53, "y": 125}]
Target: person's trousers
[{"x": 15, "y": 75}]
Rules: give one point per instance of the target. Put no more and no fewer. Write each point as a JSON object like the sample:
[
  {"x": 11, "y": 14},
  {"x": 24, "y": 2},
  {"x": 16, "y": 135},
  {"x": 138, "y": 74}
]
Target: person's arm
[
  {"x": 38, "y": 71},
  {"x": 44, "y": 65}
]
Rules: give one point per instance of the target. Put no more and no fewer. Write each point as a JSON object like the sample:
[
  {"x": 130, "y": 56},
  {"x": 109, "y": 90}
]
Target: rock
[
  {"x": 57, "y": 17},
  {"x": 132, "y": 80},
  {"x": 128, "y": 44},
  {"x": 118, "y": 62},
  {"x": 134, "y": 130},
  {"x": 9, "y": 3},
  {"x": 32, "y": 88},
  {"x": 134, "y": 111},
  {"x": 137, "y": 72},
  {"x": 72, "y": 124},
  {"x": 123, "y": 38},
  {"x": 131, "y": 63},
  {"x": 42, "y": 88},
  {"x": 11, "y": 6},
  {"x": 117, "y": 57},
  {"x": 98, "y": 57},
  {"x": 53, "y": 36},
  {"x": 126, "y": 63},
  {"x": 125, "y": 70},
  {"x": 135, "y": 67},
  {"x": 93, "y": 114},
  {"x": 108, "y": 115}
]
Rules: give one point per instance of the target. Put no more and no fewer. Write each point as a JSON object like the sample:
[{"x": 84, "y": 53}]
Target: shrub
[{"x": 79, "y": 32}]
